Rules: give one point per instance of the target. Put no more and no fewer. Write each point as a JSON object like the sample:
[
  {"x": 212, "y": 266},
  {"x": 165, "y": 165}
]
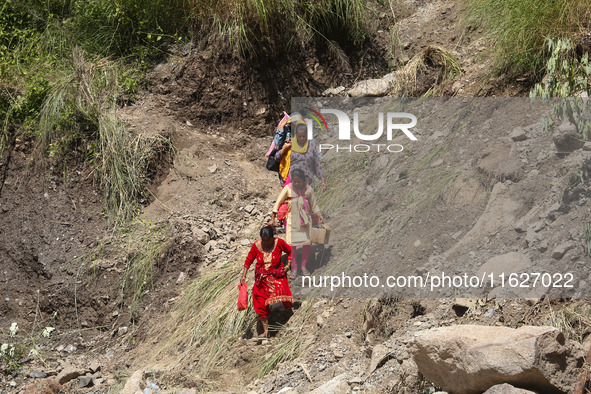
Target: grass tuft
[
  {"x": 255, "y": 27},
  {"x": 86, "y": 101},
  {"x": 519, "y": 28},
  {"x": 574, "y": 320},
  {"x": 409, "y": 78}
]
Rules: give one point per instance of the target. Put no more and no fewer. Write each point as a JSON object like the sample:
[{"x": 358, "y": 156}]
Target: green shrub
[{"x": 567, "y": 76}]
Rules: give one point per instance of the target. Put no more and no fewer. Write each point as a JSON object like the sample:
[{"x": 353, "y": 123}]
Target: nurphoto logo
[{"x": 395, "y": 122}]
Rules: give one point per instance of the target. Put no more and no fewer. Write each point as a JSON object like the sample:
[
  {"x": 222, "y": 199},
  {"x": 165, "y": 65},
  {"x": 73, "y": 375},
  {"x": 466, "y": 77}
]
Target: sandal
[{"x": 305, "y": 272}]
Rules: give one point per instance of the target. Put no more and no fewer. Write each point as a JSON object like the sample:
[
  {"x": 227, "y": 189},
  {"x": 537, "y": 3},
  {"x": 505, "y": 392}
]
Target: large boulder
[{"x": 471, "y": 359}]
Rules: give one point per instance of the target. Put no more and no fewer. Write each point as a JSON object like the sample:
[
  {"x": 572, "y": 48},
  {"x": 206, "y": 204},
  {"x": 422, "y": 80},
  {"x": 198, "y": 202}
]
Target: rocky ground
[{"x": 512, "y": 196}]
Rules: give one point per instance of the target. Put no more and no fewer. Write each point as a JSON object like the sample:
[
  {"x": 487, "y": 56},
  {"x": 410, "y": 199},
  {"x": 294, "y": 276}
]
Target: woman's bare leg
[{"x": 265, "y": 322}]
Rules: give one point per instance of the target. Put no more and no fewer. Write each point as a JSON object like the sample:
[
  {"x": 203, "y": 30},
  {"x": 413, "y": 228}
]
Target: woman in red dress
[{"x": 270, "y": 281}]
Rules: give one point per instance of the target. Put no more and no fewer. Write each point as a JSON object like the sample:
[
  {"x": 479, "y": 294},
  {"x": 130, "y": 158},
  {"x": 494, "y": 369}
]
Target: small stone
[
  {"x": 462, "y": 305},
  {"x": 245, "y": 242},
  {"x": 437, "y": 163},
  {"x": 122, "y": 331},
  {"x": 518, "y": 134},
  {"x": 568, "y": 142},
  {"x": 68, "y": 374},
  {"x": 181, "y": 278},
  {"x": 85, "y": 381},
  {"x": 213, "y": 168},
  {"x": 319, "y": 321},
  {"x": 95, "y": 367},
  {"x": 12, "y": 383},
  {"x": 38, "y": 375},
  {"x": 356, "y": 380},
  {"x": 249, "y": 208},
  {"x": 561, "y": 250},
  {"x": 70, "y": 349},
  {"x": 201, "y": 236},
  {"x": 333, "y": 91},
  {"x": 539, "y": 226}
]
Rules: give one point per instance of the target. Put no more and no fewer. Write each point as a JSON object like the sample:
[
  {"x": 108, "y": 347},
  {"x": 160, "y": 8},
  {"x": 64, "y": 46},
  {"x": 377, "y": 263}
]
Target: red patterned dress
[{"x": 270, "y": 282}]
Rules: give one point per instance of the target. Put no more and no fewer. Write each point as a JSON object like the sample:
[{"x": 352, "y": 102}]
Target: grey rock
[
  {"x": 201, "y": 236},
  {"x": 70, "y": 349},
  {"x": 68, "y": 374},
  {"x": 370, "y": 88},
  {"x": 518, "y": 134},
  {"x": 333, "y": 91},
  {"x": 379, "y": 355},
  {"x": 568, "y": 142},
  {"x": 85, "y": 381},
  {"x": 134, "y": 383},
  {"x": 508, "y": 263},
  {"x": 506, "y": 388},
  {"x": 336, "y": 385},
  {"x": 470, "y": 358},
  {"x": 181, "y": 278},
  {"x": 38, "y": 375},
  {"x": 560, "y": 250}
]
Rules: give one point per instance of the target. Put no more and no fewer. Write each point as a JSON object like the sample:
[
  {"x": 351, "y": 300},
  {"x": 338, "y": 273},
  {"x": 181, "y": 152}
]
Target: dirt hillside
[{"x": 461, "y": 197}]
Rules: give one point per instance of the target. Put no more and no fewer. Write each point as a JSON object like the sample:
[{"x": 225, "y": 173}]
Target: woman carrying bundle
[
  {"x": 300, "y": 153},
  {"x": 301, "y": 204},
  {"x": 270, "y": 282}
]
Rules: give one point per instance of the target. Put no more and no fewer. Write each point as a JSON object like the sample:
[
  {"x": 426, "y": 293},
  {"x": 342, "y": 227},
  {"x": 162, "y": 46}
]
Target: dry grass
[
  {"x": 205, "y": 325},
  {"x": 574, "y": 320},
  {"x": 205, "y": 321},
  {"x": 408, "y": 79}
]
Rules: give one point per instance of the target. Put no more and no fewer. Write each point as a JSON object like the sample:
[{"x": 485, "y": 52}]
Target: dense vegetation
[{"x": 519, "y": 29}]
